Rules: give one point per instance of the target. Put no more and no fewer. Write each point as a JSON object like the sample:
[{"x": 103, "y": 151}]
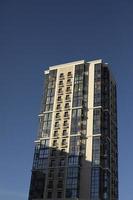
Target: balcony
[
  {"x": 50, "y": 186},
  {"x": 51, "y": 175},
  {"x": 62, "y": 153},
  {"x": 66, "y": 115},
  {"x": 64, "y": 142},
  {"x": 52, "y": 163},
  {"x": 66, "y": 124},
  {"x": 58, "y": 107},
  {"x": 60, "y": 175},
  {"x": 68, "y": 98},
  {"x": 61, "y": 77},
  {"x": 55, "y": 143},
  {"x": 65, "y": 133},
  {"x": 59, "y": 99},
  {"x": 55, "y": 134},
  {"x": 68, "y": 90},
  {"x": 69, "y": 74},
  {"x": 53, "y": 152},
  {"x": 69, "y": 82},
  {"x": 60, "y": 91},
  {"x": 60, "y": 184},
  {"x": 57, "y": 124},
  {"x": 61, "y": 84},
  {"x": 57, "y": 116},
  {"x": 67, "y": 106},
  {"x": 56, "y": 128}
]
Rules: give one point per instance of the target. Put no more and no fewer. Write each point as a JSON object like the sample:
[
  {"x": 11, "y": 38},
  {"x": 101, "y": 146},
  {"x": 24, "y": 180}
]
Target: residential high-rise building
[{"x": 76, "y": 151}]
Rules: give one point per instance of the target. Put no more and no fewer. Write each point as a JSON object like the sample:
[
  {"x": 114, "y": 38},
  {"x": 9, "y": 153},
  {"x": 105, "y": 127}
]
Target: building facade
[{"x": 76, "y": 151}]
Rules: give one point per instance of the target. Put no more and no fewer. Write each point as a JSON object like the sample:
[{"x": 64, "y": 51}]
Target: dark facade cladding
[
  {"x": 104, "y": 181},
  {"x": 58, "y": 172}
]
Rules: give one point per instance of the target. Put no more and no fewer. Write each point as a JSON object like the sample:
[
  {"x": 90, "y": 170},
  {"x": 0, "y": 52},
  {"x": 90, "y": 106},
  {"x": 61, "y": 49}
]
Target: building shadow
[{"x": 58, "y": 175}]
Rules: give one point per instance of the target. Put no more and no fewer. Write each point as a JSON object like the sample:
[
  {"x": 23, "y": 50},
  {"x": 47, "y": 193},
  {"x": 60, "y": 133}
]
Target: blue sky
[{"x": 37, "y": 33}]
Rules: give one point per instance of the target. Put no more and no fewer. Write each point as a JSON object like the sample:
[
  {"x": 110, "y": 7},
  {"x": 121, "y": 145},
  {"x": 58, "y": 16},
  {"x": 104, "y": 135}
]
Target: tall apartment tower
[{"x": 76, "y": 153}]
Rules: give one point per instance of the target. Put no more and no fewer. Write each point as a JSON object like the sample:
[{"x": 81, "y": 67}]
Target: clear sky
[{"x": 37, "y": 33}]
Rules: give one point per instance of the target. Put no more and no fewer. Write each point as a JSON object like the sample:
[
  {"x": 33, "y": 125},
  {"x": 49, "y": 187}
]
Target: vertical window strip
[
  {"x": 40, "y": 161},
  {"x": 45, "y": 125},
  {"x": 96, "y": 151},
  {"x": 95, "y": 174},
  {"x": 97, "y": 85},
  {"x": 50, "y": 91},
  {"x": 78, "y": 86},
  {"x": 96, "y": 121},
  {"x": 76, "y": 121}
]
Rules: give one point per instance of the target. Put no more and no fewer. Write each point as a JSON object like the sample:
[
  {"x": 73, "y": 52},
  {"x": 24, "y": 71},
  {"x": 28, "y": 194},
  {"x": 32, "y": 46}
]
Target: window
[
  {"x": 59, "y": 98},
  {"x": 78, "y": 86},
  {"x": 50, "y": 99},
  {"x": 72, "y": 172},
  {"x": 60, "y": 82},
  {"x": 51, "y": 173},
  {"x": 97, "y": 121},
  {"x": 60, "y": 184},
  {"x": 96, "y": 151},
  {"x": 73, "y": 160},
  {"x": 60, "y": 91},
  {"x": 97, "y": 98},
  {"x": 69, "y": 74},
  {"x": 43, "y": 153},
  {"x": 47, "y": 116},
  {"x": 75, "y": 146},
  {"x": 68, "y": 89},
  {"x": 72, "y": 188},
  {"x": 67, "y": 105},
  {"x": 64, "y": 142},
  {"x": 106, "y": 120},
  {"x": 48, "y": 107},
  {"x": 55, "y": 133},
  {"x": 49, "y": 195},
  {"x": 45, "y": 143},
  {"x": 72, "y": 183},
  {"x": 97, "y": 85},
  {"x": 61, "y": 173},
  {"x": 59, "y": 194},
  {"x": 76, "y": 121},
  {"x": 52, "y": 163},
  {"x": 65, "y": 123},
  {"x": 58, "y": 107},
  {"x": 54, "y": 142},
  {"x": 62, "y": 152},
  {"x": 71, "y": 193},
  {"x": 64, "y": 132},
  {"x": 53, "y": 152},
  {"x": 95, "y": 183},
  {"x": 57, "y": 115},
  {"x": 45, "y": 125},
  {"x": 68, "y": 81},
  {"x": 56, "y": 124},
  {"x": 67, "y": 97},
  {"x": 40, "y": 163},
  {"x": 51, "y": 84},
  {"x": 61, "y": 75},
  {"x": 50, "y": 184},
  {"x": 62, "y": 162},
  {"x": 65, "y": 114},
  {"x": 49, "y": 91}
]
